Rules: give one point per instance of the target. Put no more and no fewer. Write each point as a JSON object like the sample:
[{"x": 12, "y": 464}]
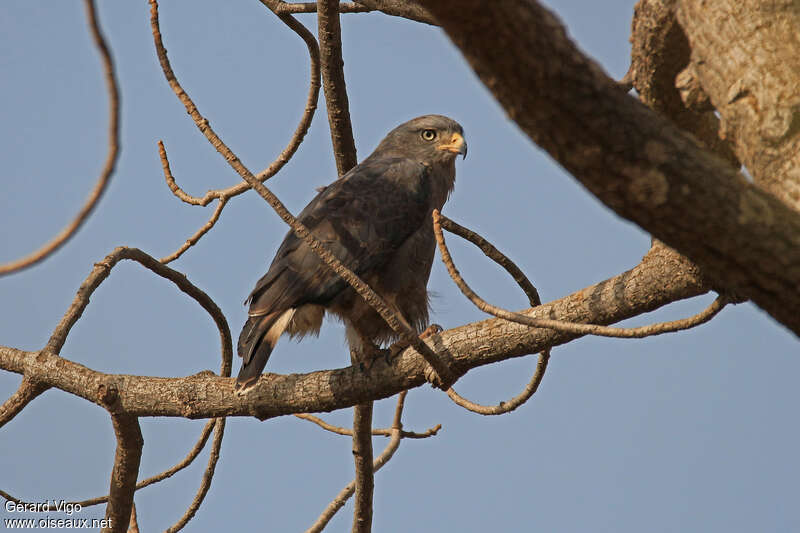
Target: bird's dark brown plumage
[{"x": 376, "y": 219}]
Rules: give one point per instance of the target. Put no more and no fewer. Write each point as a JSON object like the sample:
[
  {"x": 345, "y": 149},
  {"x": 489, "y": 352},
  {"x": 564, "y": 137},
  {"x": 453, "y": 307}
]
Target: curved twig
[
  {"x": 533, "y": 297},
  {"x": 108, "y": 167},
  {"x": 570, "y": 327},
  {"x": 378, "y": 432},
  {"x": 444, "y": 377},
  {"x": 102, "y": 270},
  {"x": 205, "y": 484},
  {"x": 495, "y": 255},
  {"x": 99, "y": 273},
  {"x": 513, "y": 403},
  {"x": 223, "y": 195},
  {"x": 191, "y": 241},
  {"x": 191, "y": 456},
  {"x": 345, "y": 494}
]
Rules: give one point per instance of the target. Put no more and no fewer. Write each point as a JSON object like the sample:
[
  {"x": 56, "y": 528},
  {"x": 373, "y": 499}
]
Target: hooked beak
[{"x": 457, "y": 145}]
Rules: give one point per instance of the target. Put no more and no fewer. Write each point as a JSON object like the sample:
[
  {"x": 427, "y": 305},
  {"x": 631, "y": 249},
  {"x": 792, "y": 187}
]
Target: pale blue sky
[{"x": 694, "y": 431}]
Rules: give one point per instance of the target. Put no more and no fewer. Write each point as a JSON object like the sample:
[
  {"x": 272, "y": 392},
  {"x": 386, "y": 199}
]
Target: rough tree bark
[{"x": 746, "y": 57}]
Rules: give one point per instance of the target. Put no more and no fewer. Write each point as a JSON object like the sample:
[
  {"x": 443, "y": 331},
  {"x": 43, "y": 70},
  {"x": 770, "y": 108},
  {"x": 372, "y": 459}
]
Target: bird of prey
[{"x": 376, "y": 219}]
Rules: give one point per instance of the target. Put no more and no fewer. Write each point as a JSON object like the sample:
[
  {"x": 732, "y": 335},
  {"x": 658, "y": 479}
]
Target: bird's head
[{"x": 428, "y": 139}]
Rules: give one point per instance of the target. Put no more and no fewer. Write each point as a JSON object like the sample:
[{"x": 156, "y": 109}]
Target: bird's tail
[{"x": 256, "y": 341}]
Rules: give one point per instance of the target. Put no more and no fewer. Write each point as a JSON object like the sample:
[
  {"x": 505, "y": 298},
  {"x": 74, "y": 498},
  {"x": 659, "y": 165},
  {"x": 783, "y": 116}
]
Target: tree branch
[
  {"x": 223, "y": 195},
  {"x": 661, "y": 278},
  {"x": 28, "y": 390},
  {"x": 362, "y": 458},
  {"x": 506, "y": 407},
  {"x": 396, "y": 8},
  {"x": 402, "y": 8},
  {"x": 439, "y": 220},
  {"x": 377, "y": 432},
  {"x": 748, "y": 67},
  {"x": 382, "y": 459},
  {"x": 333, "y": 84},
  {"x": 205, "y": 483},
  {"x": 637, "y": 163},
  {"x": 111, "y": 158},
  {"x": 568, "y": 327},
  {"x": 659, "y": 55},
  {"x": 102, "y": 270},
  {"x": 126, "y": 469}
]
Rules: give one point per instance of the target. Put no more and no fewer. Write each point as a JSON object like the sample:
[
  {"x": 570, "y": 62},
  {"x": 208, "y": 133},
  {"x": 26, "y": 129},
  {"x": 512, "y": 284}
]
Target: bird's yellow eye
[{"x": 428, "y": 135}]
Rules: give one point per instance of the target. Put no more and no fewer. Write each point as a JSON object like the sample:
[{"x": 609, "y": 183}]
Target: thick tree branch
[
  {"x": 749, "y": 66},
  {"x": 126, "y": 469},
  {"x": 661, "y": 278},
  {"x": 111, "y": 158},
  {"x": 636, "y": 162},
  {"x": 659, "y": 57}
]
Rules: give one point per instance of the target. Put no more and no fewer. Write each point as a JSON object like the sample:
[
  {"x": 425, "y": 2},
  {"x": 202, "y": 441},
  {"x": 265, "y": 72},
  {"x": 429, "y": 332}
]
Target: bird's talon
[{"x": 433, "y": 329}]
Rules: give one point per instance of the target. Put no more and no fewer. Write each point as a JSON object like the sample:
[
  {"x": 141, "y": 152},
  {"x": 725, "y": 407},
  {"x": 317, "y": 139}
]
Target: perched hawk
[{"x": 376, "y": 219}]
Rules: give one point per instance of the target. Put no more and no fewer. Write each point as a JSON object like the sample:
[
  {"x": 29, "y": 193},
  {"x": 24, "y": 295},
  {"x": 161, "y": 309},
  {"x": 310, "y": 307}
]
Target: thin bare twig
[
  {"x": 395, "y": 8},
  {"x": 444, "y": 377},
  {"x": 495, "y": 255},
  {"x": 102, "y": 270},
  {"x": 111, "y": 158},
  {"x": 570, "y": 327},
  {"x": 533, "y": 298},
  {"x": 27, "y": 391},
  {"x": 191, "y": 241},
  {"x": 513, "y": 403},
  {"x": 333, "y": 84},
  {"x": 223, "y": 195},
  {"x": 288, "y": 8},
  {"x": 378, "y": 432},
  {"x": 126, "y": 469},
  {"x": 193, "y": 453},
  {"x": 345, "y": 494},
  {"x": 205, "y": 483}
]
